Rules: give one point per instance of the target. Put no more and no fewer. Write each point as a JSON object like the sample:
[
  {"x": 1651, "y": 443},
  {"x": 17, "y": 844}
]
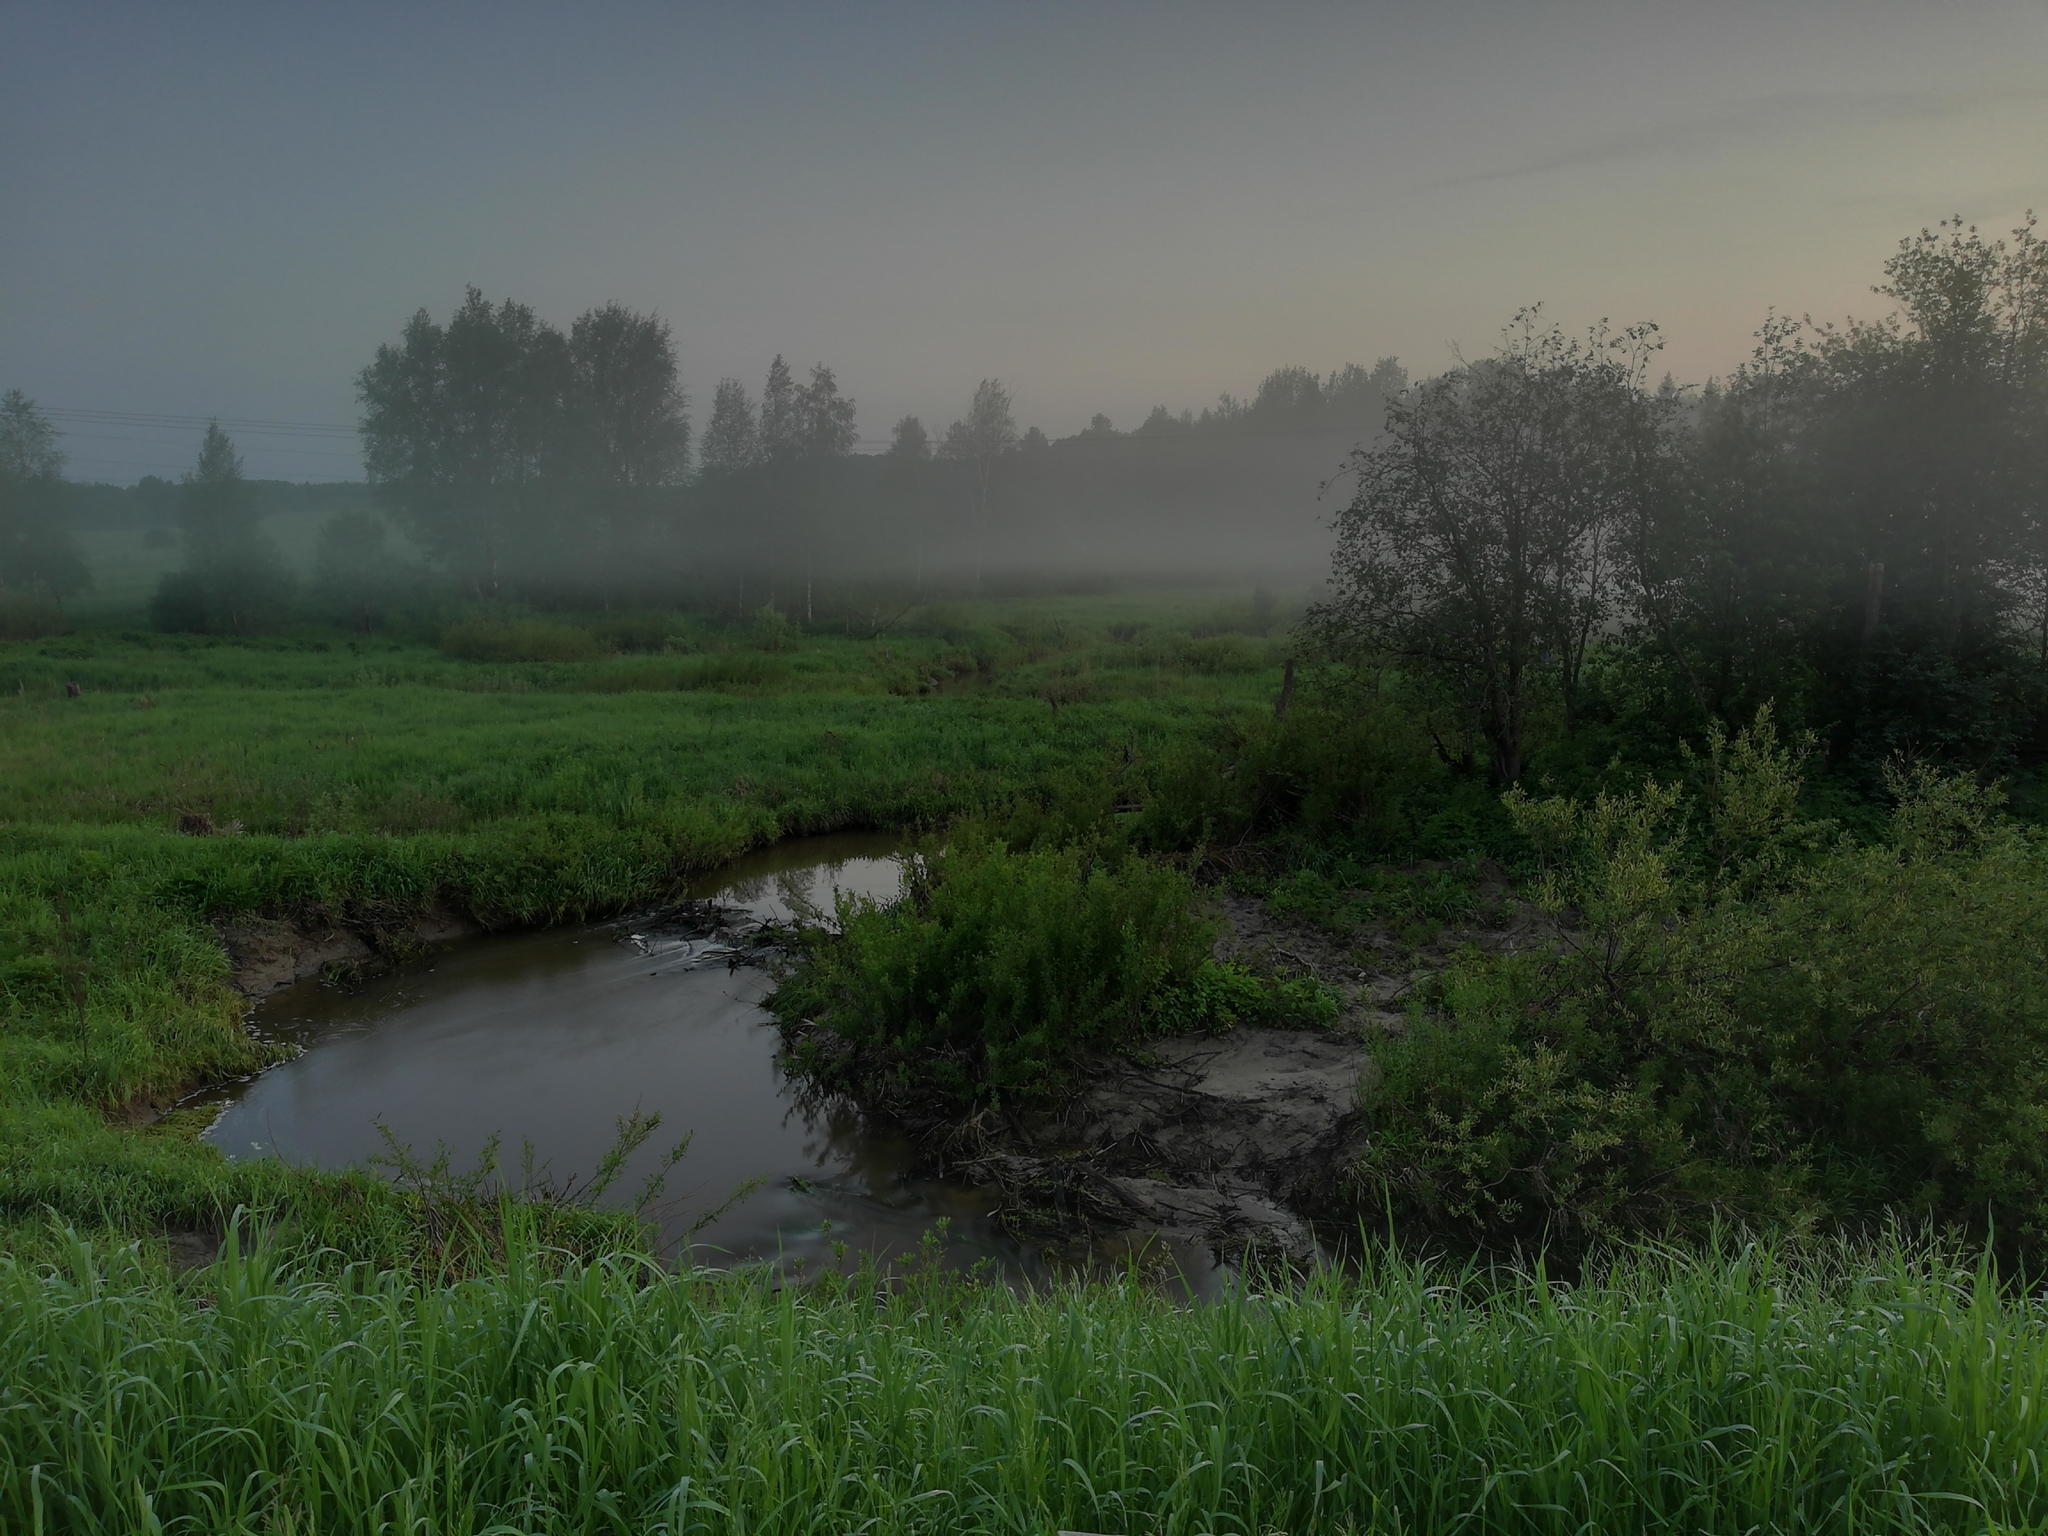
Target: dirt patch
[
  {"x": 1221, "y": 1140},
  {"x": 1240, "y": 1142},
  {"x": 268, "y": 953},
  {"x": 187, "y": 1251}
]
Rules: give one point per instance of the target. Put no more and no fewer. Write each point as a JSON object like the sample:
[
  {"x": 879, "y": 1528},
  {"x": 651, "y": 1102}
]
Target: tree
[
  {"x": 909, "y": 441},
  {"x": 982, "y": 436},
  {"x": 357, "y": 576},
  {"x": 1926, "y": 436},
  {"x": 1476, "y": 549},
  {"x": 233, "y": 581},
  {"x": 38, "y": 554},
  {"x": 632, "y": 412},
  {"x": 629, "y": 422},
  {"x": 731, "y": 440},
  {"x": 824, "y": 417},
  {"x": 781, "y": 420},
  {"x": 467, "y": 433}
]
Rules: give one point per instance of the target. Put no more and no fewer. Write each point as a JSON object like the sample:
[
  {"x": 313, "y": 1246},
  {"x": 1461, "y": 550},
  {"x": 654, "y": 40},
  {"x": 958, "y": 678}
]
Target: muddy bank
[
  {"x": 267, "y": 953},
  {"x": 1240, "y": 1142}
]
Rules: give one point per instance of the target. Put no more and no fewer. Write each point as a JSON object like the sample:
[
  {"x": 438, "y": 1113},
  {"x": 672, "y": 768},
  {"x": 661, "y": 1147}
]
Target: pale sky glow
[{"x": 217, "y": 209}]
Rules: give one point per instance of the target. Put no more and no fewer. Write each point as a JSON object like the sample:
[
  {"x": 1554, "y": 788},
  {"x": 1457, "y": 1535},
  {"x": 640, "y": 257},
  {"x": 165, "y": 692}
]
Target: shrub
[
  {"x": 996, "y": 969},
  {"x": 518, "y": 640},
  {"x": 1738, "y": 1020}
]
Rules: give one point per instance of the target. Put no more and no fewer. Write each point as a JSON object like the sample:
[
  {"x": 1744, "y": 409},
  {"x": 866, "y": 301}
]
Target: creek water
[{"x": 549, "y": 1037}]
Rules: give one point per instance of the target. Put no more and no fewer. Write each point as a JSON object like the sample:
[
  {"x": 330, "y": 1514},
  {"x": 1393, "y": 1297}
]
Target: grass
[
  {"x": 1736, "y": 1391},
  {"x": 370, "y": 779},
  {"x": 396, "y": 1358}
]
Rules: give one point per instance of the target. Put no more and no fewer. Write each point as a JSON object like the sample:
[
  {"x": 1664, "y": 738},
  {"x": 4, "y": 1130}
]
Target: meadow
[
  {"x": 362, "y": 1356},
  {"x": 364, "y": 781}
]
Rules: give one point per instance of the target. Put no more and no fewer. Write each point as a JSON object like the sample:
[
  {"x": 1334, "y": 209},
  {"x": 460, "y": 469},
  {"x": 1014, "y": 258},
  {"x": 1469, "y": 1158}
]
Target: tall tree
[
  {"x": 824, "y": 417},
  {"x": 467, "y": 431},
  {"x": 1476, "y": 550},
  {"x": 632, "y": 411},
  {"x": 731, "y": 439},
  {"x": 980, "y": 438},
  {"x": 37, "y": 551},
  {"x": 909, "y": 441},
  {"x": 233, "y": 581},
  {"x": 782, "y": 435}
]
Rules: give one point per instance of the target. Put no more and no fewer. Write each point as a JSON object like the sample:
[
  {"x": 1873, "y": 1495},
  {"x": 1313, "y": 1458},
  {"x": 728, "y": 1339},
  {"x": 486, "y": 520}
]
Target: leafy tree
[
  {"x": 1477, "y": 549},
  {"x": 909, "y": 441},
  {"x": 980, "y": 438},
  {"x": 824, "y": 417},
  {"x": 631, "y": 408},
  {"x": 233, "y": 581},
  {"x": 464, "y": 425},
  {"x": 1925, "y": 436},
  {"x": 782, "y": 427},
  {"x": 731, "y": 440},
  {"x": 37, "y": 552},
  {"x": 629, "y": 423}
]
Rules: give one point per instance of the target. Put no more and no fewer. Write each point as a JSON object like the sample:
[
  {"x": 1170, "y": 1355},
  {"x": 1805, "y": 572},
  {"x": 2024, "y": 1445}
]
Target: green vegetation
[
  {"x": 365, "y": 782},
  {"x": 1663, "y": 980},
  {"x": 1741, "y": 1017},
  {"x": 1731, "y": 1392},
  {"x": 1000, "y": 968}
]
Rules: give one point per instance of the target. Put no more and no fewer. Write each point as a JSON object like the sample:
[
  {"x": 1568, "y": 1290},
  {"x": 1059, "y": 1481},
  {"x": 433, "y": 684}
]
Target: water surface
[{"x": 549, "y": 1037}]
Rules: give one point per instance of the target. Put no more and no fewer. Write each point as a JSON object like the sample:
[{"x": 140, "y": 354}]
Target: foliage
[
  {"x": 1738, "y": 1020},
  {"x": 39, "y": 556},
  {"x": 233, "y": 581},
  {"x": 374, "y": 781},
  {"x": 1476, "y": 547},
  {"x": 1883, "y": 1390},
  {"x": 500, "y": 442},
  {"x": 994, "y": 970}
]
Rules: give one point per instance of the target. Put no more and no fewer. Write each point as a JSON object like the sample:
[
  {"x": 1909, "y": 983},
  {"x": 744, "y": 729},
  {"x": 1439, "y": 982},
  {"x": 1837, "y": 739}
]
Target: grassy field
[
  {"x": 386, "y": 1361},
  {"x": 363, "y": 781}
]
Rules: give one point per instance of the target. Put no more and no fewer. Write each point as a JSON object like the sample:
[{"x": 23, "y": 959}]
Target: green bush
[
  {"x": 518, "y": 640},
  {"x": 1738, "y": 1019},
  {"x": 995, "y": 969}
]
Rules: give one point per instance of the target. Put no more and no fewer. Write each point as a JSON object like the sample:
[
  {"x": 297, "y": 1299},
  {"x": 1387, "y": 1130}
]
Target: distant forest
[{"x": 1853, "y": 525}]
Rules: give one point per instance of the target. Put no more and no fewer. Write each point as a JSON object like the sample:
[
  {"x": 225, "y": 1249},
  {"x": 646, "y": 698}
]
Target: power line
[{"x": 168, "y": 421}]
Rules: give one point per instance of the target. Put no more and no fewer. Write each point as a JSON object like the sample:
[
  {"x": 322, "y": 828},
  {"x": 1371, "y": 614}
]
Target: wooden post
[{"x": 1286, "y": 691}]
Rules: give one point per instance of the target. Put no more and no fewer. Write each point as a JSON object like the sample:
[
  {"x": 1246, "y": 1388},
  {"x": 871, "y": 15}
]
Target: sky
[{"x": 222, "y": 210}]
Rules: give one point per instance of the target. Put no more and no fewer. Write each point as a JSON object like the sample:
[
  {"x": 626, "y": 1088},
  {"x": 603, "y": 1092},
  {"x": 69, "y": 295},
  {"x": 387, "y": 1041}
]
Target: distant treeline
[{"x": 1854, "y": 526}]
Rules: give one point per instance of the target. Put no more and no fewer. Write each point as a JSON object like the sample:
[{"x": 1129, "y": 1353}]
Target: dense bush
[
  {"x": 1739, "y": 1018},
  {"x": 998, "y": 967}
]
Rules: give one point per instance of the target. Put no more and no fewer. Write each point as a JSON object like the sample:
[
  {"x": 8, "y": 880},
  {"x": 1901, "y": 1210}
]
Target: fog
[{"x": 922, "y": 299}]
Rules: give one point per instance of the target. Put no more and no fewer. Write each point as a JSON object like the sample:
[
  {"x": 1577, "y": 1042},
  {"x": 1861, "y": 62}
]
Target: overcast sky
[{"x": 214, "y": 209}]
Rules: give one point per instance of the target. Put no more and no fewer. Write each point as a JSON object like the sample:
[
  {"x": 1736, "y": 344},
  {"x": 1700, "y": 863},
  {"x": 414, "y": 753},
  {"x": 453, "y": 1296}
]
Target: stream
[{"x": 550, "y": 1037}]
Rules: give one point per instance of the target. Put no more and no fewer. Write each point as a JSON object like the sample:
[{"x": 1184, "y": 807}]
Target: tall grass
[{"x": 1735, "y": 1392}]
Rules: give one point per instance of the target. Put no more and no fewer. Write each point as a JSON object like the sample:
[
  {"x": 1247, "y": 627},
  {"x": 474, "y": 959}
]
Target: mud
[
  {"x": 268, "y": 953},
  {"x": 1239, "y": 1142}
]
